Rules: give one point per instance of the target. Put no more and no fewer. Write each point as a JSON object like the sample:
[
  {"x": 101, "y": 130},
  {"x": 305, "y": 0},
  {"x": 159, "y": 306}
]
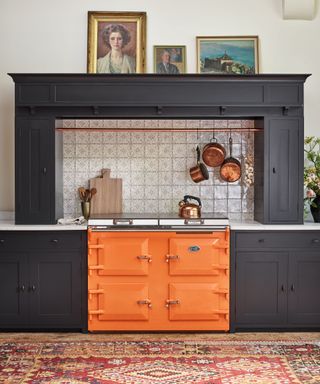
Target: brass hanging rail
[{"x": 242, "y": 130}]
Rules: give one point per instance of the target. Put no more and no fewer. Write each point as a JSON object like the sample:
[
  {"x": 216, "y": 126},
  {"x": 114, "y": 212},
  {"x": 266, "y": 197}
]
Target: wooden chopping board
[{"x": 108, "y": 198}]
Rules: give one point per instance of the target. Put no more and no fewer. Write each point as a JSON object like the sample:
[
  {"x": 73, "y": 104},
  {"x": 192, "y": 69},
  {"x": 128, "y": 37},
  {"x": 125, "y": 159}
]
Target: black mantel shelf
[
  {"x": 43, "y": 77},
  {"x": 151, "y": 95},
  {"x": 274, "y": 101}
]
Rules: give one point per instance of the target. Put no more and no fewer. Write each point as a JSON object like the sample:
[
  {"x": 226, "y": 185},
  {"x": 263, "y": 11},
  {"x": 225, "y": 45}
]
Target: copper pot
[
  {"x": 230, "y": 169},
  {"x": 199, "y": 172},
  {"x": 213, "y": 154},
  {"x": 189, "y": 210}
]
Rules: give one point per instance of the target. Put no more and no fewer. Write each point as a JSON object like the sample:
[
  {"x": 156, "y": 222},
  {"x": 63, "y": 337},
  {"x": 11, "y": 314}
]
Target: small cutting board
[{"x": 108, "y": 198}]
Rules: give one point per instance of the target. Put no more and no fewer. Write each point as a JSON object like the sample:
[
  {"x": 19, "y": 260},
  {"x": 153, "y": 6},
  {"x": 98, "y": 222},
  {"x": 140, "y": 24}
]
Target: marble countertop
[
  {"x": 9, "y": 225},
  {"x": 255, "y": 226}
]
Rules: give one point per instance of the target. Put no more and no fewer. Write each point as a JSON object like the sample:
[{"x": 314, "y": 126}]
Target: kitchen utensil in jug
[{"x": 189, "y": 210}]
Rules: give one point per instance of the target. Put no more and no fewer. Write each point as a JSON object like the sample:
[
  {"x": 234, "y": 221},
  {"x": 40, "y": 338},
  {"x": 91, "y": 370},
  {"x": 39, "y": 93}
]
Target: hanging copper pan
[
  {"x": 213, "y": 154},
  {"x": 199, "y": 172},
  {"x": 230, "y": 169}
]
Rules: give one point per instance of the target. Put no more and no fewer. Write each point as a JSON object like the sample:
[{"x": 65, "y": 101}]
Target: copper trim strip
[{"x": 60, "y": 129}]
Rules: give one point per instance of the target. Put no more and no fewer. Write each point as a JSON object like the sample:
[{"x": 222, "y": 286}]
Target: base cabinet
[
  {"x": 13, "y": 273},
  {"x": 158, "y": 281},
  {"x": 261, "y": 288},
  {"x": 42, "y": 280},
  {"x": 304, "y": 288},
  {"x": 277, "y": 284}
]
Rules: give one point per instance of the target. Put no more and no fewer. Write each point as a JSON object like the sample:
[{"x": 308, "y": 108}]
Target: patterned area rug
[{"x": 160, "y": 362}]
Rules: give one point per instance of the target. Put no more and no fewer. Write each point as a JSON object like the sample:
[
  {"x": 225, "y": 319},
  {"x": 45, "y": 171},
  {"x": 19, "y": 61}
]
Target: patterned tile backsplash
[{"x": 155, "y": 166}]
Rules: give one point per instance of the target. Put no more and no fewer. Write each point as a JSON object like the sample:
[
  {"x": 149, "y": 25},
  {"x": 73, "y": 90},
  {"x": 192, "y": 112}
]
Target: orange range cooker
[{"x": 148, "y": 273}]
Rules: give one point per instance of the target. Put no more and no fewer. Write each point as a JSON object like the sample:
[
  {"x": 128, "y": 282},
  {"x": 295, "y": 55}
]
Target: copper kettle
[{"x": 189, "y": 210}]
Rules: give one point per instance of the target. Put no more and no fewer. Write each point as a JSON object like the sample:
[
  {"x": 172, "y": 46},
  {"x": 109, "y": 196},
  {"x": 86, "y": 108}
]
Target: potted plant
[{"x": 312, "y": 175}]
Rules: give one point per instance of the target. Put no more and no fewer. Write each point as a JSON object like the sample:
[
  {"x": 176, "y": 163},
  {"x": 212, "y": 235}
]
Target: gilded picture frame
[
  {"x": 169, "y": 59},
  {"x": 116, "y": 42},
  {"x": 228, "y": 54}
]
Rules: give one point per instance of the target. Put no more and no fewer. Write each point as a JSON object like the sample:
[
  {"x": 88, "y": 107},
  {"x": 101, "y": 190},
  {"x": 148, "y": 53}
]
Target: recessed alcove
[{"x": 153, "y": 158}]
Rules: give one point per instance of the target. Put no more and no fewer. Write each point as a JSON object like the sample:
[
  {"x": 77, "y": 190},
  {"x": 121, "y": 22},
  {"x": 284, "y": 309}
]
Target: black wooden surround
[{"x": 275, "y": 102}]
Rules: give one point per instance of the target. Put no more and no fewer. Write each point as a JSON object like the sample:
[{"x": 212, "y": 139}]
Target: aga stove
[{"x": 158, "y": 273}]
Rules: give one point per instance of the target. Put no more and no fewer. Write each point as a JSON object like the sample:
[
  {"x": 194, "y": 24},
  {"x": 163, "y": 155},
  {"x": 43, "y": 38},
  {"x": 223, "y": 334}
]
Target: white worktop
[
  {"x": 9, "y": 225},
  {"x": 255, "y": 226}
]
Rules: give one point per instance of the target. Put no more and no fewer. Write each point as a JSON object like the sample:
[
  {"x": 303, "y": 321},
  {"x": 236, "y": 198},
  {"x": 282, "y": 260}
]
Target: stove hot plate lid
[{"x": 152, "y": 219}]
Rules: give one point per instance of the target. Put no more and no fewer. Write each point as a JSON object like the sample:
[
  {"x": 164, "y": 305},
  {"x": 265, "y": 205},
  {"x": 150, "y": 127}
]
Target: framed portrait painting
[
  {"x": 169, "y": 59},
  {"x": 116, "y": 42},
  {"x": 228, "y": 55}
]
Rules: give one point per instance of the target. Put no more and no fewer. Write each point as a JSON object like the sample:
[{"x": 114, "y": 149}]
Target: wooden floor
[{"x": 69, "y": 336}]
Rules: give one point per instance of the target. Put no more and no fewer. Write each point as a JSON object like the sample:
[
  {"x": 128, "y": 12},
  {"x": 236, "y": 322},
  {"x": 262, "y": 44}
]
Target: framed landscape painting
[
  {"x": 227, "y": 55},
  {"x": 116, "y": 42},
  {"x": 169, "y": 59}
]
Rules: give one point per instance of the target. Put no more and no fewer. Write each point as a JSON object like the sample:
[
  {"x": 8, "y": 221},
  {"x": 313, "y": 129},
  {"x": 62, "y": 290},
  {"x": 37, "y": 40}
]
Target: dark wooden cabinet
[
  {"x": 285, "y": 171},
  {"x": 304, "y": 288},
  {"x": 35, "y": 171},
  {"x": 13, "y": 286},
  {"x": 275, "y": 279},
  {"x": 42, "y": 286},
  {"x": 278, "y": 165},
  {"x": 261, "y": 287},
  {"x": 274, "y": 102}
]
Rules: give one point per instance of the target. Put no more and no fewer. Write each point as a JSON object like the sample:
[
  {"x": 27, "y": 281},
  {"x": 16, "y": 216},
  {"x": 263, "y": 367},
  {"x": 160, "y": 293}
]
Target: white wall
[{"x": 46, "y": 36}]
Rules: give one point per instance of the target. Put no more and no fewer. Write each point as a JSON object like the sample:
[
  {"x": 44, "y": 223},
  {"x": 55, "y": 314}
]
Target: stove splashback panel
[{"x": 154, "y": 165}]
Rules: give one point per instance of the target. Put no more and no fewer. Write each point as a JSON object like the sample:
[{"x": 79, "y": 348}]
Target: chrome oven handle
[
  {"x": 194, "y": 221},
  {"x": 122, "y": 221}
]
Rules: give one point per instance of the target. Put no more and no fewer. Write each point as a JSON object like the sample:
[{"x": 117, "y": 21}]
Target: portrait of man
[{"x": 169, "y": 60}]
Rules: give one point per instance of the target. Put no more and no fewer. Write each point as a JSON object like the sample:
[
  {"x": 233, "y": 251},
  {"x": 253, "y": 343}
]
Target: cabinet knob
[
  {"x": 1, "y": 241},
  {"x": 22, "y": 288},
  {"x": 292, "y": 288},
  {"x": 283, "y": 288},
  {"x": 44, "y": 170},
  {"x": 55, "y": 241},
  {"x": 273, "y": 170},
  {"x": 315, "y": 241},
  {"x": 32, "y": 288},
  {"x": 261, "y": 240}
]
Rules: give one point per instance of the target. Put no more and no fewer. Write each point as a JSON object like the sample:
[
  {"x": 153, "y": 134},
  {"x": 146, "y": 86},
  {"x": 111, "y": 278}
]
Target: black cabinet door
[
  {"x": 261, "y": 284},
  {"x": 13, "y": 289},
  {"x": 285, "y": 171},
  {"x": 35, "y": 178},
  {"x": 304, "y": 288},
  {"x": 55, "y": 299}
]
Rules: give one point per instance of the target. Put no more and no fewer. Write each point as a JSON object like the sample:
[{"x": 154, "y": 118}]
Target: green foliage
[{"x": 312, "y": 168}]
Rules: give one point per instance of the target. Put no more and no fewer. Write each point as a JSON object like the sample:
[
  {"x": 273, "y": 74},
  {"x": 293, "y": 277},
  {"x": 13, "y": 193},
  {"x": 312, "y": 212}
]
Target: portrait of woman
[
  {"x": 116, "y": 42},
  {"x": 116, "y": 37}
]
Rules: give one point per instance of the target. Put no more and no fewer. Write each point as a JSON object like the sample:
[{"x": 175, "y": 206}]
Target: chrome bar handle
[
  {"x": 172, "y": 257},
  {"x": 172, "y": 302},
  {"x": 146, "y": 301},
  {"x": 122, "y": 221},
  {"x": 194, "y": 221},
  {"x": 145, "y": 257}
]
